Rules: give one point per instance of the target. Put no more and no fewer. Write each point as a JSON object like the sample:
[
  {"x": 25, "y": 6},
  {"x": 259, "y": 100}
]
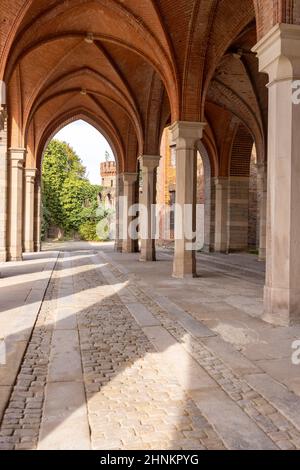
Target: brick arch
[
  {"x": 86, "y": 116},
  {"x": 242, "y": 146},
  {"x": 224, "y": 21},
  {"x": 127, "y": 101},
  {"x": 208, "y": 144},
  {"x": 270, "y": 12},
  {"x": 132, "y": 150},
  {"x": 139, "y": 31},
  {"x": 153, "y": 117},
  {"x": 92, "y": 95}
]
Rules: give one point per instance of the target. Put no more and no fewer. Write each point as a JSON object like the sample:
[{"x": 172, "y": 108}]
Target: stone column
[
  {"x": 119, "y": 212},
  {"x": 16, "y": 163},
  {"x": 221, "y": 214},
  {"x": 210, "y": 243},
  {"x": 3, "y": 185},
  {"x": 208, "y": 209},
  {"x": 128, "y": 237},
  {"x": 279, "y": 57},
  {"x": 30, "y": 175},
  {"x": 185, "y": 135},
  {"x": 262, "y": 208},
  {"x": 37, "y": 215},
  {"x": 238, "y": 214},
  {"x": 149, "y": 165}
]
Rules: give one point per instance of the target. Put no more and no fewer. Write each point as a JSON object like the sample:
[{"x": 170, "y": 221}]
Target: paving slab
[
  {"x": 238, "y": 431},
  {"x": 122, "y": 360},
  {"x": 230, "y": 356},
  {"x": 142, "y": 315},
  {"x": 278, "y": 395},
  {"x": 65, "y": 360},
  {"x": 64, "y": 425}
]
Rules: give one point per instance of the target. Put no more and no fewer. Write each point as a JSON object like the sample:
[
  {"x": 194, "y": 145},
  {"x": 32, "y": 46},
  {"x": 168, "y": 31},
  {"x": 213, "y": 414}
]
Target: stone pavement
[
  {"x": 122, "y": 356},
  {"x": 22, "y": 288}
]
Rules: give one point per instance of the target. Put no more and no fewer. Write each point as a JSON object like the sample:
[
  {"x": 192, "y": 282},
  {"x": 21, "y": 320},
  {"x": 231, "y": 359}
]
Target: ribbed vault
[{"x": 134, "y": 65}]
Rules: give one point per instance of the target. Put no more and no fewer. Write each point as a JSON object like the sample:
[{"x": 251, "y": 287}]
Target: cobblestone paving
[
  {"x": 280, "y": 430},
  {"x": 21, "y": 422},
  {"x": 133, "y": 399}
]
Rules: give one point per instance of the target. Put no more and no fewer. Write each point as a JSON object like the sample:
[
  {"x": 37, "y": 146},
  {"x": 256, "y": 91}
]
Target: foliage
[
  {"x": 70, "y": 201},
  {"x": 88, "y": 232}
]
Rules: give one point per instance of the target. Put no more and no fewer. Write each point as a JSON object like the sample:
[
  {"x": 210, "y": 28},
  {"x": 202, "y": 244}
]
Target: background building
[{"x": 108, "y": 172}]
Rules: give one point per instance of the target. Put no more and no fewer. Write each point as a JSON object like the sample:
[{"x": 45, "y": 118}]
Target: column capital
[
  {"x": 17, "y": 155},
  {"x": 185, "y": 134},
  {"x": 129, "y": 178},
  {"x": 278, "y": 52},
  {"x": 30, "y": 174},
  {"x": 221, "y": 182},
  {"x": 149, "y": 161}
]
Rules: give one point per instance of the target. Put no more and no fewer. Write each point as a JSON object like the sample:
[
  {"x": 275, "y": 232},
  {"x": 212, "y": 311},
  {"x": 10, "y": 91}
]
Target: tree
[
  {"x": 79, "y": 199},
  {"x": 69, "y": 200},
  {"x": 55, "y": 170}
]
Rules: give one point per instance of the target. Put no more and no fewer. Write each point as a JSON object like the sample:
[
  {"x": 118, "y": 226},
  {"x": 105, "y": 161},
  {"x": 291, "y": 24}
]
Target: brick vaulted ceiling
[{"x": 150, "y": 62}]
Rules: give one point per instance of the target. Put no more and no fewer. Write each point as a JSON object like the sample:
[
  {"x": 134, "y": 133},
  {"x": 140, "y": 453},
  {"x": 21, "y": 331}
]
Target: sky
[{"x": 89, "y": 145}]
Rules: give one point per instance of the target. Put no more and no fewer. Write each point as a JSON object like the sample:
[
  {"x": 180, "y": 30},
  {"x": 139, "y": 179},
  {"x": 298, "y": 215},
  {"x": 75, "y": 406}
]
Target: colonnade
[{"x": 278, "y": 194}]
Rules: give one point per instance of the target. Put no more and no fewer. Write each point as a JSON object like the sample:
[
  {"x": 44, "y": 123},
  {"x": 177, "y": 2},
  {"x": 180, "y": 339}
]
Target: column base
[
  {"x": 223, "y": 251},
  {"x": 29, "y": 248},
  {"x": 184, "y": 269},
  {"x": 128, "y": 249},
  {"x": 148, "y": 252},
  {"x": 118, "y": 246},
  {"x": 3, "y": 256},
  {"x": 282, "y": 306},
  {"x": 37, "y": 247},
  {"x": 15, "y": 258},
  {"x": 147, "y": 258},
  {"x": 262, "y": 255},
  {"x": 180, "y": 275}
]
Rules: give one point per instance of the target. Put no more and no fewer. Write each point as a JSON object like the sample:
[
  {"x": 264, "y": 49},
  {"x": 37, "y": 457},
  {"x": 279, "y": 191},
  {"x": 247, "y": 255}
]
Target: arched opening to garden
[{"x": 78, "y": 171}]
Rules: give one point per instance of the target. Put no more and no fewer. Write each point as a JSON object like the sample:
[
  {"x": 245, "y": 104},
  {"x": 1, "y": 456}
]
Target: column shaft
[
  {"x": 149, "y": 164},
  {"x": 221, "y": 215},
  {"x": 279, "y": 56},
  {"x": 185, "y": 135},
  {"x": 37, "y": 216},
  {"x": 29, "y": 210},
  {"x": 129, "y": 199},
  {"x": 119, "y": 212},
  {"x": 262, "y": 209},
  {"x": 16, "y": 162},
  {"x": 3, "y": 185}
]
